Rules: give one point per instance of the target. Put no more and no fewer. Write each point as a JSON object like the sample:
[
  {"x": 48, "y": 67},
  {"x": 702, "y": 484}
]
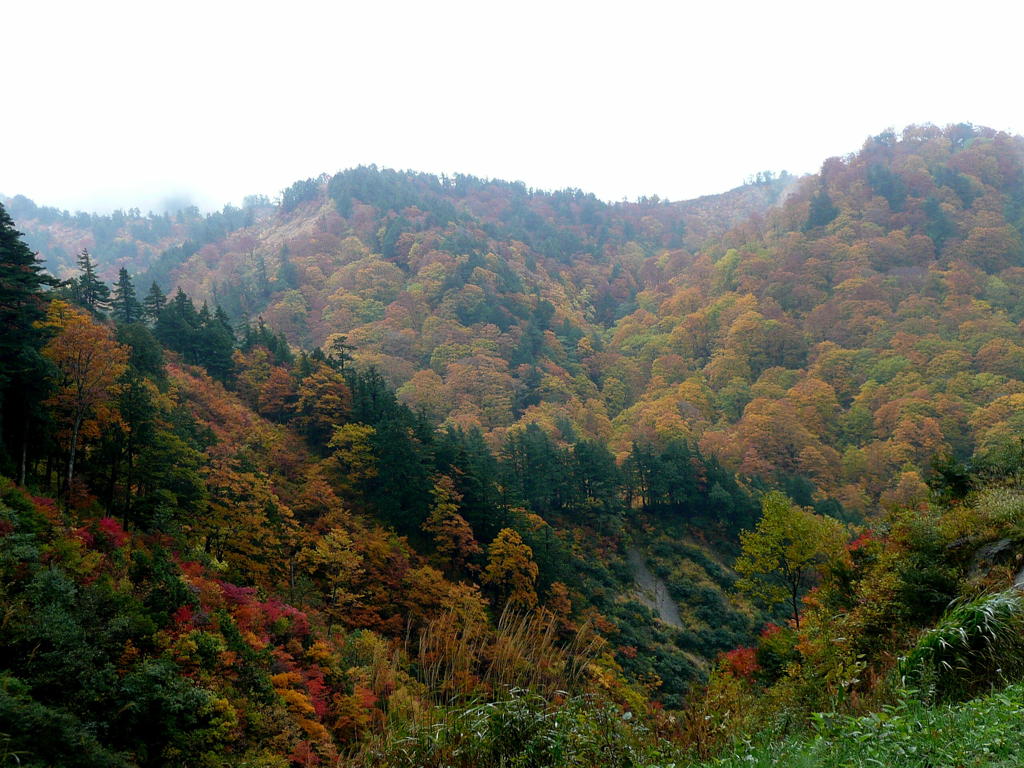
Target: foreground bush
[{"x": 525, "y": 730}]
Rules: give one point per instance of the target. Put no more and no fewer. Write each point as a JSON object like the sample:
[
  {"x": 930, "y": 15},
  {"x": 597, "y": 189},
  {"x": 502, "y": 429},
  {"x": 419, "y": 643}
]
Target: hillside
[
  {"x": 445, "y": 471},
  {"x": 845, "y": 337},
  {"x": 126, "y": 239}
]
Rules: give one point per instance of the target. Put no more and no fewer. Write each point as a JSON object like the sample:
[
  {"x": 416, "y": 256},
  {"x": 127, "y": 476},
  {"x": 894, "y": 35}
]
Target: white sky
[{"x": 115, "y": 104}]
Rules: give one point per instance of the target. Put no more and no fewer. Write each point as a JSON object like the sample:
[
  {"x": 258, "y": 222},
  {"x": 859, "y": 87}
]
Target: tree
[
  {"x": 822, "y": 209},
  {"x": 89, "y": 363},
  {"x": 511, "y": 570},
  {"x": 780, "y": 556},
  {"x": 335, "y": 563},
  {"x": 177, "y": 326},
  {"x": 352, "y": 457},
  {"x": 89, "y": 291},
  {"x": 453, "y": 536},
  {"x": 324, "y": 402},
  {"x": 216, "y": 343},
  {"x": 154, "y": 303},
  {"x": 125, "y": 307},
  {"x": 22, "y": 309}
]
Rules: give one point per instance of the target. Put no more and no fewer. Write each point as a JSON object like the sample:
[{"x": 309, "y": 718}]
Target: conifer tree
[
  {"x": 154, "y": 303},
  {"x": 217, "y": 342},
  {"x": 90, "y": 292},
  {"x": 125, "y": 306},
  {"x": 22, "y": 308},
  {"x": 822, "y": 209}
]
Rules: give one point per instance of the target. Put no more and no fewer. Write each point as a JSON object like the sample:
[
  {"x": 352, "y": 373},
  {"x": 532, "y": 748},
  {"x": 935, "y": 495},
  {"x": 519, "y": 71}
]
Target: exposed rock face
[{"x": 652, "y": 591}]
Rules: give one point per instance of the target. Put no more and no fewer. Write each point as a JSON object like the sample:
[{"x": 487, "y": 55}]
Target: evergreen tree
[
  {"x": 154, "y": 303},
  {"x": 217, "y": 343},
  {"x": 177, "y": 327},
  {"x": 89, "y": 291},
  {"x": 125, "y": 306},
  {"x": 22, "y": 308},
  {"x": 533, "y": 471},
  {"x": 822, "y": 210},
  {"x": 287, "y": 273}
]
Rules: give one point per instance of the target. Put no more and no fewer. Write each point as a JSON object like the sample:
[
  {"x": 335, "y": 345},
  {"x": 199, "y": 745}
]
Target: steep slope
[
  {"x": 607, "y": 398},
  {"x": 868, "y": 325},
  {"x": 845, "y": 338}
]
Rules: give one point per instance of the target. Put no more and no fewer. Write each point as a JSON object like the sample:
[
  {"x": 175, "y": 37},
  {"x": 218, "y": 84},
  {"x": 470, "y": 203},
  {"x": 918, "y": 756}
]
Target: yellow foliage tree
[
  {"x": 89, "y": 364},
  {"x": 452, "y": 534},
  {"x": 511, "y": 570}
]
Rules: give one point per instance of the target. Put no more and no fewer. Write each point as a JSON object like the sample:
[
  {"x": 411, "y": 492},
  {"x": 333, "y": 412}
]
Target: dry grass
[{"x": 459, "y": 660}]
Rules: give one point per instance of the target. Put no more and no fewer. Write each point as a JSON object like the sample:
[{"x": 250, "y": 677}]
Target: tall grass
[
  {"x": 503, "y": 696},
  {"x": 977, "y": 645},
  {"x": 523, "y": 730},
  {"x": 457, "y": 660}
]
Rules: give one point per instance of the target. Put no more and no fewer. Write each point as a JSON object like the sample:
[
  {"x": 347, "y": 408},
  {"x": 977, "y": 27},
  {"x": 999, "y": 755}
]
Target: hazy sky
[{"x": 115, "y": 104}]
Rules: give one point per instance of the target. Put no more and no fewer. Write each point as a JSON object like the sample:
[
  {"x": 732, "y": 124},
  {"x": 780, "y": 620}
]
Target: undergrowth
[
  {"x": 525, "y": 730},
  {"x": 986, "y": 732}
]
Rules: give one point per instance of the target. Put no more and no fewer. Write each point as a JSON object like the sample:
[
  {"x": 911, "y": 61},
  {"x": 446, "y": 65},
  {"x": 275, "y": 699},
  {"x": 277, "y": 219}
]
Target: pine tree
[
  {"x": 125, "y": 306},
  {"x": 89, "y": 291},
  {"x": 216, "y": 343},
  {"x": 822, "y": 210},
  {"x": 154, "y": 303},
  {"x": 22, "y": 308},
  {"x": 177, "y": 327}
]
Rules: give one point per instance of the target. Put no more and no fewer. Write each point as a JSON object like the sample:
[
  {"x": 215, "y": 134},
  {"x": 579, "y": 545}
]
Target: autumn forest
[{"x": 410, "y": 470}]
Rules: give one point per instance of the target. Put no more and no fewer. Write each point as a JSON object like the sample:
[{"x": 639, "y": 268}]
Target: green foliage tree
[
  {"x": 87, "y": 289},
  {"x": 822, "y": 210},
  {"x": 203, "y": 338},
  {"x": 781, "y": 555},
  {"x": 124, "y": 306},
  {"x": 22, "y": 310},
  {"x": 154, "y": 303}
]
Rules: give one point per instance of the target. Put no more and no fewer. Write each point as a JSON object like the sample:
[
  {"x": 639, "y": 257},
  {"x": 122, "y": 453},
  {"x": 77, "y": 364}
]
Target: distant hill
[{"x": 833, "y": 333}]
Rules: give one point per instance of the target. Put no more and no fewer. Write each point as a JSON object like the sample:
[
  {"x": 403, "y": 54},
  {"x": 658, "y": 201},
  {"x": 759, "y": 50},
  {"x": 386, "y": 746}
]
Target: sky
[{"x": 132, "y": 104}]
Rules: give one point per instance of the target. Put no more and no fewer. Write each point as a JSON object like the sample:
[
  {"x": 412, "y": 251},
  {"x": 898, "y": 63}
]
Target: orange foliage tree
[
  {"x": 453, "y": 535},
  {"x": 89, "y": 363}
]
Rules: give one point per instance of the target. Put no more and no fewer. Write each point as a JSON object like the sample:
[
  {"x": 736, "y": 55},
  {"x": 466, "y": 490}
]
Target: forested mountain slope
[
  {"x": 127, "y": 239},
  {"x": 401, "y": 443},
  {"x": 849, "y": 334}
]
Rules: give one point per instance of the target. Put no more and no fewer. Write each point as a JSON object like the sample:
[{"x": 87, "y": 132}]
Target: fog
[{"x": 126, "y": 104}]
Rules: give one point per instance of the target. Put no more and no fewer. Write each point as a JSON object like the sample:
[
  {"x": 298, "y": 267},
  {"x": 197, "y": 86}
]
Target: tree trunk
[
  {"x": 794, "y": 586},
  {"x": 128, "y": 480},
  {"x": 71, "y": 456},
  {"x": 112, "y": 484},
  {"x": 24, "y": 457}
]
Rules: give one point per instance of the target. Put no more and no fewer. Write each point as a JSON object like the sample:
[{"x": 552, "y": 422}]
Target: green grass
[
  {"x": 987, "y": 731},
  {"x": 523, "y": 730}
]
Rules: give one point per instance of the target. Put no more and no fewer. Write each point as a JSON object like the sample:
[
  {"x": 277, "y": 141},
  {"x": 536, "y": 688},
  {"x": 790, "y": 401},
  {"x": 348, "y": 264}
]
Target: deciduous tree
[
  {"x": 89, "y": 363},
  {"x": 511, "y": 570},
  {"x": 781, "y": 555}
]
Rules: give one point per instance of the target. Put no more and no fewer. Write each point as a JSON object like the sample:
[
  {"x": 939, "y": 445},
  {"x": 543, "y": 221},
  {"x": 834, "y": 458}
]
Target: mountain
[
  {"x": 399, "y": 444},
  {"x": 841, "y": 329}
]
